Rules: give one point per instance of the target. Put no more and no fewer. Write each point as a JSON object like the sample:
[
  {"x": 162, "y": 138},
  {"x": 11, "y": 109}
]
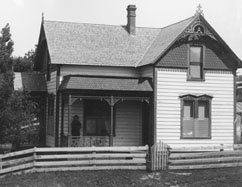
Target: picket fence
[
  {"x": 159, "y": 153},
  {"x": 76, "y": 158}
]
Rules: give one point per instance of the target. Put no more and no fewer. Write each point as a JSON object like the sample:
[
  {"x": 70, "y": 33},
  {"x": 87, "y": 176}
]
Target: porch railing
[{"x": 88, "y": 141}]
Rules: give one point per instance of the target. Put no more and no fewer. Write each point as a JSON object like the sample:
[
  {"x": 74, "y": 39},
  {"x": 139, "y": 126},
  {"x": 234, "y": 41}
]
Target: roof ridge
[
  {"x": 118, "y": 25},
  {"x": 177, "y": 22},
  {"x": 82, "y": 23}
]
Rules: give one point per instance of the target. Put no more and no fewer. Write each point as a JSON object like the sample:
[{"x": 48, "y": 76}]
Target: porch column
[
  {"x": 111, "y": 103},
  {"x": 69, "y": 118}
]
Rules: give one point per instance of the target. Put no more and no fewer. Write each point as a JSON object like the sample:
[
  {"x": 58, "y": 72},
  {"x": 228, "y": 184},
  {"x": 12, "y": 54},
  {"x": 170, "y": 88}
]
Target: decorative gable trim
[{"x": 196, "y": 31}]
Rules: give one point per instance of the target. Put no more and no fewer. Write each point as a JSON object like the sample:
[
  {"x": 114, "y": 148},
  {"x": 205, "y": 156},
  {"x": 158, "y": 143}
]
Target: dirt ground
[{"x": 196, "y": 178}]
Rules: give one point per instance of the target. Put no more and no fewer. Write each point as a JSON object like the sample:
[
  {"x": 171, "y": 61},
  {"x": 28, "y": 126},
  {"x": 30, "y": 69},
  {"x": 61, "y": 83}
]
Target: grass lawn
[{"x": 196, "y": 178}]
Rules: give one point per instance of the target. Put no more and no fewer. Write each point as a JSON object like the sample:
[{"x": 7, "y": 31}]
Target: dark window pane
[
  {"x": 195, "y": 71},
  {"x": 91, "y": 126},
  {"x": 195, "y": 54},
  {"x": 97, "y": 118}
]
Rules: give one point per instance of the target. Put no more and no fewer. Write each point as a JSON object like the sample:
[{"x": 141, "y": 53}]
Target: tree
[
  {"x": 18, "y": 112},
  {"x": 23, "y": 64},
  {"x": 6, "y": 49},
  {"x": 6, "y": 81},
  {"x": 16, "y": 107}
]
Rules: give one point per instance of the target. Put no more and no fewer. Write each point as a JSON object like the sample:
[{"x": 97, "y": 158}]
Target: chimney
[{"x": 131, "y": 19}]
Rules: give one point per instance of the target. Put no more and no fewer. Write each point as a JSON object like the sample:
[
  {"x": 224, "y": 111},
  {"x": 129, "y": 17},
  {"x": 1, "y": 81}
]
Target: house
[{"x": 114, "y": 85}]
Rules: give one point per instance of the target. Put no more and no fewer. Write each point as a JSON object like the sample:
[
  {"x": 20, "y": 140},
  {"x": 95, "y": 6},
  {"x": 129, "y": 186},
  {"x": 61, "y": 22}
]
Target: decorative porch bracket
[{"x": 111, "y": 101}]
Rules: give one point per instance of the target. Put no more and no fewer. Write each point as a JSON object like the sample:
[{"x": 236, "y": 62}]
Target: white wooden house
[{"x": 115, "y": 85}]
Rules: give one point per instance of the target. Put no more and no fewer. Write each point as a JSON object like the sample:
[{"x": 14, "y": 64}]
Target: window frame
[
  {"x": 196, "y": 100},
  {"x": 97, "y": 118},
  {"x": 201, "y": 63}
]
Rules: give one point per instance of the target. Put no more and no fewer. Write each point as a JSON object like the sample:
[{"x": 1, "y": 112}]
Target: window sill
[
  {"x": 195, "y": 138},
  {"x": 197, "y": 80}
]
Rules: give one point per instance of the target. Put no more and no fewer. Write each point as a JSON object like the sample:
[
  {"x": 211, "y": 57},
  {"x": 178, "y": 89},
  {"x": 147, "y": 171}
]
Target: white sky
[{"x": 24, "y": 16}]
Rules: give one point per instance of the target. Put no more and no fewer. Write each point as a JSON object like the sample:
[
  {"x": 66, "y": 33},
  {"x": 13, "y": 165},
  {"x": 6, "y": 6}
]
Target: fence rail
[
  {"x": 205, "y": 157},
  {"x": 161, "y": 157},
  {"x": 79, "y": 158}
]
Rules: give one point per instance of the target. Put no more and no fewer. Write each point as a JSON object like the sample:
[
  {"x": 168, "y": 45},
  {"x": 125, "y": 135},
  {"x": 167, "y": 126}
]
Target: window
[
  {"x": 97, "y": 118},
  {"x": 50, "y": 125},
  {"x": 195, "y": 71},
  {"x": 196, "y": 116}
]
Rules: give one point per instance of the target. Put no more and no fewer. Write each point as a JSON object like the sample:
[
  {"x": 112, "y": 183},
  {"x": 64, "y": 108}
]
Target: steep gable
[
  {"x": 163, "y": 41},
  {"x": 218, "y": 55},
  {"x": 109, "y": 45}
]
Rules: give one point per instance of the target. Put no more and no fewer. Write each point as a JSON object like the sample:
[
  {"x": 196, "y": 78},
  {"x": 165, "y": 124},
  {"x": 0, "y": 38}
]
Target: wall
[
  {"x": 99, "y": 71},
  {"x": 171, "y": 83},
  {"x": 51, "y": 87},
  {"x": 146, "y": 71},
  {"x": 128, "y": 124}
]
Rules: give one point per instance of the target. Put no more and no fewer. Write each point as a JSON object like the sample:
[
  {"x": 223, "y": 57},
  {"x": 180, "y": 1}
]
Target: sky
[{"x": 24, "y": 16}]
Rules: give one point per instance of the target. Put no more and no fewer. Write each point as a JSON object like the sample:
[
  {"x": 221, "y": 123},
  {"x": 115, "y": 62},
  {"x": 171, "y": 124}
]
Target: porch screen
[
  {"x": 97, "y": 118},
  {"x": 195, "y": 119}
]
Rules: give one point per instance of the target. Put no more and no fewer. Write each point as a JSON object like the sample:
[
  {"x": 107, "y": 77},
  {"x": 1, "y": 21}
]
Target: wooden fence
[
  {"x": 159, "y": 153},
  {"x": 205, "y": 157},
  {"x": 78, "y": 158},
  {"x": 163, "y": 157}
]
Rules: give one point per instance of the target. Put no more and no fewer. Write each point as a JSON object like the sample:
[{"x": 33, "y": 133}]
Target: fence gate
[{"x": 159, "y": 156}]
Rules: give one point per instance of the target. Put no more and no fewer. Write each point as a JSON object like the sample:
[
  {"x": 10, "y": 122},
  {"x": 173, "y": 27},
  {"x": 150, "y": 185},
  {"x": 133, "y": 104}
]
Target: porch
[{"x": 94, "y": 117}]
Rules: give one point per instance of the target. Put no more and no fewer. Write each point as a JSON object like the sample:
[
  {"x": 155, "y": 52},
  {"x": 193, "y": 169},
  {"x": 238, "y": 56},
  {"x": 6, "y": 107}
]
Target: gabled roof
[
  {"x": 164, "y": 40},
  {"x": 34, "y": 82},
  {"x": 108, "y": 45},
  {"x": 31, "y": 82},
  {"x": 92, "y": 44},
  {"x": 73, "y": 82}
]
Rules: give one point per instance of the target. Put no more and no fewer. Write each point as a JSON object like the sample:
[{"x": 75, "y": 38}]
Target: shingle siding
[{"x": 178, "y": 57}]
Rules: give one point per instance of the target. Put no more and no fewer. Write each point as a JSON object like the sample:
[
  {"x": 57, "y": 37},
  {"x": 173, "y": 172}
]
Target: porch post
[
  {"x": 111, "y": 103},
  {"x": 111, "y": 125},
  {"x": 69, "y": 119}
]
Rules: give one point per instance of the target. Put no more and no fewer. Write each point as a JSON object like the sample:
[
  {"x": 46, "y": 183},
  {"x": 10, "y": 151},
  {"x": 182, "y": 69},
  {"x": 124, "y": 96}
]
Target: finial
[
  {"x": 42, "y": 17},
  {"x": 199, "y": 10}
]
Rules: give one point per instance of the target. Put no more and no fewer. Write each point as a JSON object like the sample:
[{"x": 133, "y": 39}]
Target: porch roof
[{"x": 106, "y": 83}]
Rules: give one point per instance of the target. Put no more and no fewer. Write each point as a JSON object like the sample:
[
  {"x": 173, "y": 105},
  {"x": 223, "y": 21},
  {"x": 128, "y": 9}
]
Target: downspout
[
  {"x": 57, "y": 107},
  {"x": 154, "y": 100}
]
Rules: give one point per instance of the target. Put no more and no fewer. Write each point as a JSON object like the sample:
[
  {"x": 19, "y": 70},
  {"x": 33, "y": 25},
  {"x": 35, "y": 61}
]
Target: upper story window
[{"x": 195, "y": 71}]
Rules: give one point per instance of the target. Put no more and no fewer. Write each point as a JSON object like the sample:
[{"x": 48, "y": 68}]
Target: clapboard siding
[
  {"x": 50, "y": 139},
  {"x": 172, "y": 83},
  {"x": 51, "y": 84},
  {"x": 99, "y": 71},
  {"x": 146, "y": 71},
  {"x": 128, "y": 125}
]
